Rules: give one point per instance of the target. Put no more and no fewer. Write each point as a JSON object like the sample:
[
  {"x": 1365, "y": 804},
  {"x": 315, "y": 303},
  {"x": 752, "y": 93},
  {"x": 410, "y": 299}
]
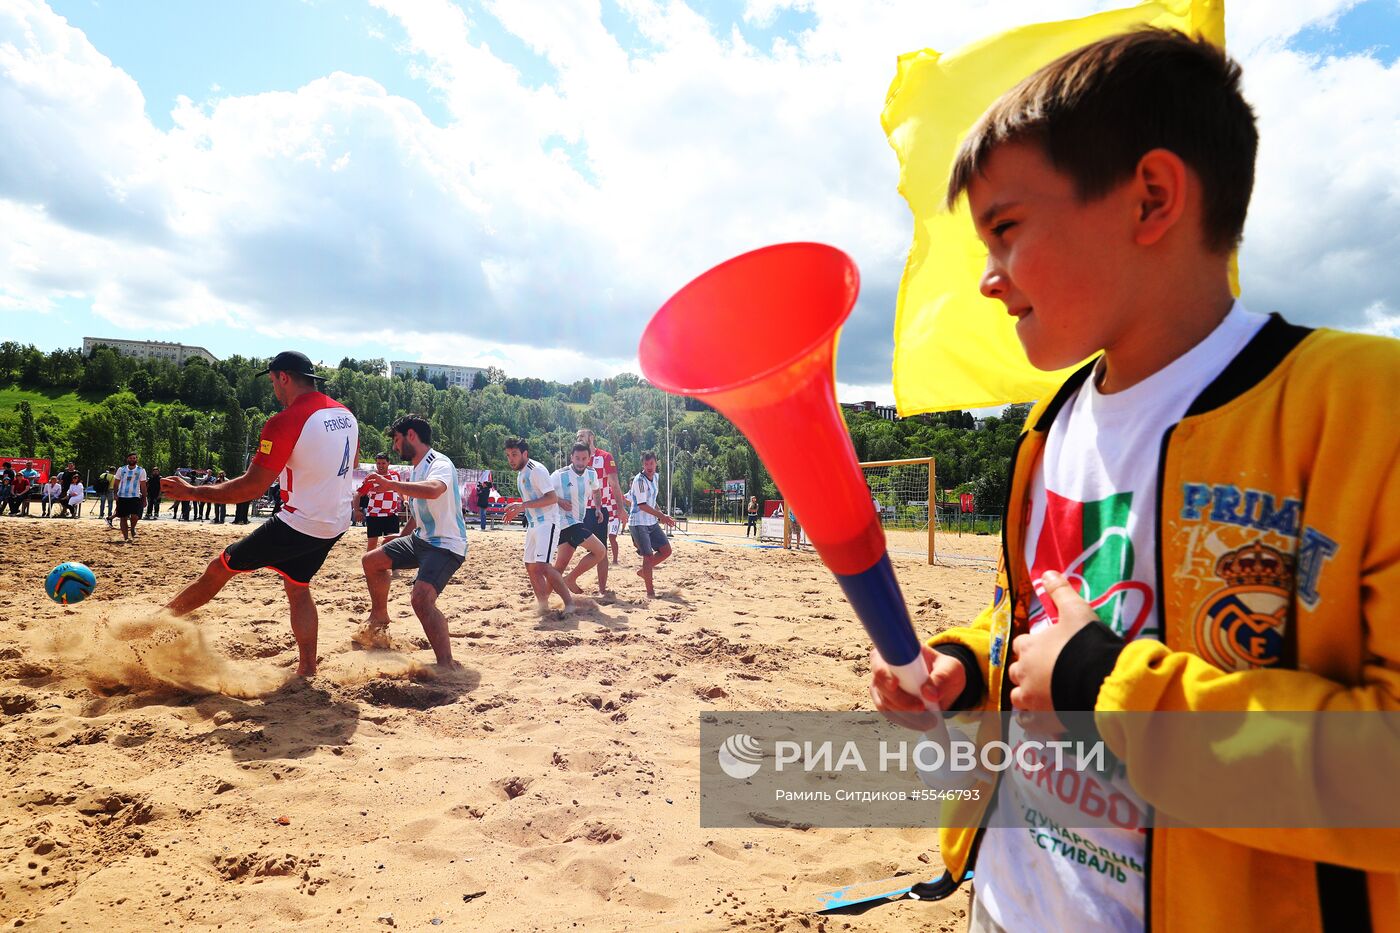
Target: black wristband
[
  {"x": 1083, "y": 665},
  {"x": 976, "y": 686}
]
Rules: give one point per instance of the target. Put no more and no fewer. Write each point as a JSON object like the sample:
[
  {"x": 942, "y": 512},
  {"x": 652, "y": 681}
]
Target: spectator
[
  {"x": 20, "y": 490},
  {"x": 753, "y": 515},
  {"x": 73, "y": 504},
  {"x": 52, "y": 491},
  {"x": 274, "y": 494},
  {"x": 201, "y": 508},
  {"x": 483, "y": 501},
  {"x": 6, "y": 490},
  {"x": 220, "y": 508},
  {"x": 240, "y": 512},
  {"x": 153, "y": 497},
  {"x": 66, "y": 476},
  {"x": 106, "y": 500}
]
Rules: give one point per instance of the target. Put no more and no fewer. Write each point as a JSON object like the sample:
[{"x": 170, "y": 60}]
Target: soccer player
[
  {"x": 579, "y": 492},
  {"x": 539, "y": 503},
  {"x": 599, "y": 520},
  {"x": 312, "y": 444},
  {"x": 435, "y": 540},
  {"x": 650, "y": 541},
  {"x": 131, "y": 489},
  {"x": 381, "y": 504}
]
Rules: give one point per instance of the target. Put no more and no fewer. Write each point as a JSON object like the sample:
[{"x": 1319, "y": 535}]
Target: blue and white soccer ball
[{"x": 70, "y": 583}]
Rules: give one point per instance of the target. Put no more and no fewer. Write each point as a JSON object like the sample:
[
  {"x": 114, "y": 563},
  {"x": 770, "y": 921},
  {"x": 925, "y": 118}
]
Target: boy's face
[{"x": 1061, "y": 266}]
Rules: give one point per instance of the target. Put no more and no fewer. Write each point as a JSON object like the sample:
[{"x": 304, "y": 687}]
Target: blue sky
[{"x": 521, "y": 183}]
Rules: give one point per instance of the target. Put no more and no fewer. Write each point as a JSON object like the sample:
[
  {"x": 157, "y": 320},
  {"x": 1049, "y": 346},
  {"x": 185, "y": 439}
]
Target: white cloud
[{"x": 568, "y": 196}]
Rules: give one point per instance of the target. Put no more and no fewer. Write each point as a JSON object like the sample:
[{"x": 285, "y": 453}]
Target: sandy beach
[{"x": 171, "y": 774}]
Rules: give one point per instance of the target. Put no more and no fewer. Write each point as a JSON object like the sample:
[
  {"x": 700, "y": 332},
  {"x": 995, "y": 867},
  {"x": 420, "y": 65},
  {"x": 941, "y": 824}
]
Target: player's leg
[
  {"x": 305, "y": 623},
  {"x": 539, "y": 582},
  {"x": 424, "y": 600},
  {"x": 214, "y": 578},
  {"x": 371, "y": 543},
  {"x": 594, "y": 556},
  {"x": 641, "y": 540},
  {"x": 562, "y": 556}
]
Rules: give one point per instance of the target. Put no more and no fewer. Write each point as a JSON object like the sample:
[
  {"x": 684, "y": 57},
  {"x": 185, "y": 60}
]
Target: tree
[
  {"x": 480, "y": 380},
  {"x": 142, "y": 385},
  {"x": 28, "y": 438}
]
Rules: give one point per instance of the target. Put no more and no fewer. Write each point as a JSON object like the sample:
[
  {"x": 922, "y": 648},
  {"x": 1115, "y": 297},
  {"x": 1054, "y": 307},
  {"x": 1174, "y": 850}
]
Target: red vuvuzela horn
[{"x": 755, "y": 337}]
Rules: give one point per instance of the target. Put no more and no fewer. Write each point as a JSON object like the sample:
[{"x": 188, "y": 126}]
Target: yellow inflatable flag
[{"x": 954, "y": 348}]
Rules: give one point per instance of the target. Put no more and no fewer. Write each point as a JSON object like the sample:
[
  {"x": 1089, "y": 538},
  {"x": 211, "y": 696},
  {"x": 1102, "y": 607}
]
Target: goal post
[{"x": 906, "y": 491}]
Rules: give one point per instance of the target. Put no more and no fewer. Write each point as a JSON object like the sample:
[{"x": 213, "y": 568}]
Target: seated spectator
[{"x": 73, "y": 507}]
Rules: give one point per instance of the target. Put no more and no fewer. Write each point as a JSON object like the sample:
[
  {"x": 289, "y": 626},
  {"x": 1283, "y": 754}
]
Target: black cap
[{"x": 290, "y": 361}]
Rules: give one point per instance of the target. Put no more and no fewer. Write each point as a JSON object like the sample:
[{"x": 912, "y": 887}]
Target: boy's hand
[
  {"x": 1035, "y": 654},
  {"x": 946, "y": 680}
]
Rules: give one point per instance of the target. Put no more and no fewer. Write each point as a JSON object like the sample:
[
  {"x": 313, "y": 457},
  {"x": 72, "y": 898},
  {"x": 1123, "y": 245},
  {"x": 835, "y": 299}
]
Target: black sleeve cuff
[
  {"x": 976, "y": 686},
  {"x": 1084, "y": 664}
]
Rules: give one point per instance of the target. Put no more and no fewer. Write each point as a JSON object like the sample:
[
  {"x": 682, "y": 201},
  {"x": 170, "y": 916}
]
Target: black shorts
[
  {"x": 435, "y": 565},
  {"x": 576, "y": 534},
  {"x": 276, "y": 544},
  {"x": 377, "y": 526},
  {"x": 597, "y": 523},
  {"x": 130, "y": 505}
]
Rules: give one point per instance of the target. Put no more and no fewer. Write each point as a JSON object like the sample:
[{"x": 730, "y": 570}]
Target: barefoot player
[
  {"x": 600, "y": 520},
  {"x": 578, "y": 490},
  {"x": 539, "y": 502},
  {"x": 434, "y": 541},
  {"x": 313, "y": 444},
  {"x": 131, "y": 490},
  {"x": 647, "y": 536}
]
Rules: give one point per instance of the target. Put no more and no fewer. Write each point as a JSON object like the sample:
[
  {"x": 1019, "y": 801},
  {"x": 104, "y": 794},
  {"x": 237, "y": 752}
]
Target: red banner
[
  {"x": 967, "y": 502},
  {"x": 41, "y": 464}
]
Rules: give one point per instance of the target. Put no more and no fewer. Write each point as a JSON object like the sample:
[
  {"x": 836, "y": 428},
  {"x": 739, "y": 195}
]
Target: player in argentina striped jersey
[
  {"x": 434, "y": 541},
  {"x": 579, "y": 490},
  {"x": 539, "y": 502},
  {"x": 647, "y": 536},
  {"x": 311, "y": 444}
]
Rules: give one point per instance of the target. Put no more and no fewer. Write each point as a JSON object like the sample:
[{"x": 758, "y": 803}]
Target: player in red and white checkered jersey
[
  {"x": 310, "y": 447},
  {"x": 381, "y": 505},
  {"x": 603, "y": 465}
]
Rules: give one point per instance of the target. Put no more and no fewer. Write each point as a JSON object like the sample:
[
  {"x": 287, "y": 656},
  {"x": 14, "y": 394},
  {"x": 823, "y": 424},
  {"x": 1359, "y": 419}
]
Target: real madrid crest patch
[{"x": 1241, "y": 626}]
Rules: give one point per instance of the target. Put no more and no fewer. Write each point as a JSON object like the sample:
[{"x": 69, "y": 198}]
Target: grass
[{"x": 67, "y": 405}]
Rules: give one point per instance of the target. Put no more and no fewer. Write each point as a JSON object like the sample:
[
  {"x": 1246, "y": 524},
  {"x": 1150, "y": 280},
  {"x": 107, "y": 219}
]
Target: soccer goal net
[{"x": 901, "y": 491}]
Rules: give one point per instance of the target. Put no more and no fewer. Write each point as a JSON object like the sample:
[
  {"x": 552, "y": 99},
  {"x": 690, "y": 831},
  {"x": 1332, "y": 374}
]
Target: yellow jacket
[{"x": 1292, "y": 451}]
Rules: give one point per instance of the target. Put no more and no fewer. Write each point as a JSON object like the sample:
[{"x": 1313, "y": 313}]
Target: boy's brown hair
[{"x": 1098, "y": 110}]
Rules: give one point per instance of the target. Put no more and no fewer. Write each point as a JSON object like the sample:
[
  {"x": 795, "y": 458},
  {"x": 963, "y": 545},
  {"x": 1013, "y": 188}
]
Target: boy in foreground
[{"x": 1204, "y": 518}]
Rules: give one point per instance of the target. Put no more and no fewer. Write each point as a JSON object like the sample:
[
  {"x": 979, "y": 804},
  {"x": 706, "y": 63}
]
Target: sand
[{"x": 161, "y": 773}]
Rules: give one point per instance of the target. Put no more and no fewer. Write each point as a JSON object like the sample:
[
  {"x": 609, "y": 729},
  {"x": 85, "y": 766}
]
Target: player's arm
[
  {"x": 144, "y": 494},
  {"x": 250, "y": 485},
  {"x": 616, "y": 484},
  {"x": 424, "y": 489}
]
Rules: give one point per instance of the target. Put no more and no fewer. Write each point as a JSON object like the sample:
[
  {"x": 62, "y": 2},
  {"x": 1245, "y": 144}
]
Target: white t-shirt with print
[
  {"x": 534, "y": 482},
  {"x": 642, "y": 492},
  {"x": 439, "y": 521},
  {"x": 577, "y": 490},
  {"x": 1093, "y": 519}
]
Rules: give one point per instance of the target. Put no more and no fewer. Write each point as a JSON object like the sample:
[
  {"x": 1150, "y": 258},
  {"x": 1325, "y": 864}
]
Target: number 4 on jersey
[{"x": 345, "y": 460}]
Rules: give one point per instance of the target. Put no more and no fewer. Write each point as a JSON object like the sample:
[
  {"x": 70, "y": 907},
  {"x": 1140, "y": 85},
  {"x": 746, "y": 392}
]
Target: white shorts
[
  {"x": 615, "y": 526},
  {"x": 540, "y": 541}
]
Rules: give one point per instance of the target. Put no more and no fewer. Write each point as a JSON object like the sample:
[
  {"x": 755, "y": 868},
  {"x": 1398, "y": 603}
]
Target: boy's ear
[{"x": 1161, "y": 184}]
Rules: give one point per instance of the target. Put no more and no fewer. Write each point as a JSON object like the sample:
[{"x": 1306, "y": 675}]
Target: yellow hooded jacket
[{"x": 1291, "y": 456}]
